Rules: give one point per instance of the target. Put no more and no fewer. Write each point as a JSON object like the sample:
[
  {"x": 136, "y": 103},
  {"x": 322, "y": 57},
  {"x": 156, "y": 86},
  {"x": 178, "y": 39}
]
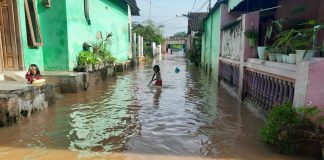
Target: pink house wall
[
  {"x": 315, "y": 88},
  {"x": 311, "y": 9},
  {"x": 251, "y": 21}
]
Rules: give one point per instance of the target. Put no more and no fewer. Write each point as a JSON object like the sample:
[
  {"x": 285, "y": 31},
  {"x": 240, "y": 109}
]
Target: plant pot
[
  {"x": 101, "y": 66},
  {"x": 252, "y": 42},
  {"x": 279, "y": 58},
  {"x": 292, "y": 59},
  {"x": 95, "y": 67},
  {"x": 89, "y": 68},
  {"x": 285, "y": 58},
  {"x": 300, "y": 55},
  {"x": 273, "y": 57},
  {"x": 261, "y": 50}
]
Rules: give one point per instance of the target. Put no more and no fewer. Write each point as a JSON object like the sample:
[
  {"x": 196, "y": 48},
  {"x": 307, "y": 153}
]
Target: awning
[
  {"x": 250, "y": 5},
  {"x": 233, "y": 3}
]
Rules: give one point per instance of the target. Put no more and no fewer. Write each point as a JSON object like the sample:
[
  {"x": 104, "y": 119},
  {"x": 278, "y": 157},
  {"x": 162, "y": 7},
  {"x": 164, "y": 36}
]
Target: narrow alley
[{"x": 190, "y": 117}]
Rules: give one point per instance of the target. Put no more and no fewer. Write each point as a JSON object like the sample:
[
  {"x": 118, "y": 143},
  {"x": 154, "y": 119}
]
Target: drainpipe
[
  {"x": 317, "y": 28},
  {"x": 86, "y": 11}
]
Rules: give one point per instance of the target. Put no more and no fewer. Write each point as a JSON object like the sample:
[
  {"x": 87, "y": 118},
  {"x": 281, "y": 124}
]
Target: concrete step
[{"x": 15, "y": 76}]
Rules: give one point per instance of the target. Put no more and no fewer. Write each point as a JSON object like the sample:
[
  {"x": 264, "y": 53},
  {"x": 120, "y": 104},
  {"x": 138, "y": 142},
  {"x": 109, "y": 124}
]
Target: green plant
[
  {"x": 85, "y": 58},
  {"x": 251, "y": 33},
  {"x": 274, "y": 28},
  {"x": 150, "y": 31},
  {"x": 100, "y": 47},
  {"x": 286, "y": 128},
  {"x": 284, "y": 42}
]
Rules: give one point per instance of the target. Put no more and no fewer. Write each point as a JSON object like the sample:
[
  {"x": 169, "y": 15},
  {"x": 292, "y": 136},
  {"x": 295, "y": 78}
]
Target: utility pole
[
  {"x": 150, "y": 9},
  {"x": 209, "y": 6}
]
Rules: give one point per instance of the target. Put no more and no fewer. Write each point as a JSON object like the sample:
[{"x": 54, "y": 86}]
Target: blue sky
[{"x": 165, "y": 12}]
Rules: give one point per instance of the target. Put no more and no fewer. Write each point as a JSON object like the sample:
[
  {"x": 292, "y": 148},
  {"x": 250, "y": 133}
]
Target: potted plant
[
  {"x": 85, "y": 60},
  {"x": 280, "y": 54},
  {"x": 286, "y": 46},
  {"x": 272, "y": 53},
  {"x": 272, "y": 30},
  {"x": 302, "y": 41},
  {"x": 305, "y": 41},
  {"x": 252, "y": 35},
  {"x": 112, "y": 60}
]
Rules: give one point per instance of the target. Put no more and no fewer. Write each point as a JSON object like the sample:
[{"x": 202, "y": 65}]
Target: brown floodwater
[{"x": 191, "y": 118}]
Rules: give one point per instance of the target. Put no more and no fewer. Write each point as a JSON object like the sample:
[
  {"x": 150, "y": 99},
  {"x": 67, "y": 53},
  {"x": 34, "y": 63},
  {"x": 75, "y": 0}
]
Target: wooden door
[{"x": 8, "y": 36}]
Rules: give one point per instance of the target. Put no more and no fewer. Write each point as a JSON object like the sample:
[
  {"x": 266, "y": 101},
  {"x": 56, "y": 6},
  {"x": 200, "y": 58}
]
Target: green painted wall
[
  {"x": 31, "y": 55},
  {"x": 203, "y": 45},
  {"x": 54, "y": 30},
  {"x": 215, "y": 41},
  {"x": 106, "y": 16},
  {"x": 211, "y": 42},
  {"x": 64, "y": 30}
]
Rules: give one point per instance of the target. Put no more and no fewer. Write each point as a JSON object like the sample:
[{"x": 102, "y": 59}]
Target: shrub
[
  {"x": 194, "y": 56},
  {"x": 287, "y": 129}
]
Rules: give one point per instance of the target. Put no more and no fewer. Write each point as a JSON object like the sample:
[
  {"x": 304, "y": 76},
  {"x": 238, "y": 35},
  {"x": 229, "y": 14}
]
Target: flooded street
[{"x": 190, "y": 117}]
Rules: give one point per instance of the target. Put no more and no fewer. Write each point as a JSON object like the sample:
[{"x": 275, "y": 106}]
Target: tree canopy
[
  {"x": 150, "y": 31},
  {"x": 180, "y": 34}
]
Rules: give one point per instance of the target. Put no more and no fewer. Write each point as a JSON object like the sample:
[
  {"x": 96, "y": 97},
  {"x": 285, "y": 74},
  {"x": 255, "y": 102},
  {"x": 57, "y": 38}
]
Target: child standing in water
[
  {"x": 157, "y": 75},
  {"x": 33, "y": 73}
]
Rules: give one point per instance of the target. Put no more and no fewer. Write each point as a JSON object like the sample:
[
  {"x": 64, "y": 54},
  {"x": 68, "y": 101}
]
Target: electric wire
[{"x": 194, "y": 5}]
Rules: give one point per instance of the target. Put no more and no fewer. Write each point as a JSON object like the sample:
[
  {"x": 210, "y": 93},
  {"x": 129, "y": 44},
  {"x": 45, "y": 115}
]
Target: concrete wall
[
  {"x": 53, "y": 25},
  {"x": 64, "y": 30},
  {"x": 106, "y": 16},
  {"x": 315, "y": 88},
  {"x": 31, "y": 55},
  {"x": 215, "y": 42},
  {"x": 288, "y": 9},
  {"x": 211, "y": 42}
]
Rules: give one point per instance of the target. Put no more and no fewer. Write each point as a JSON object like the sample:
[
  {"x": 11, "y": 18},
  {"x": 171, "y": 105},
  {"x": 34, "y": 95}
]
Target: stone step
[{"x": 15, "y": 76}]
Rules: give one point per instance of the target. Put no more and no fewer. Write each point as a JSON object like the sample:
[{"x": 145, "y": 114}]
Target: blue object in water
[{"x": 177, "y": 70}]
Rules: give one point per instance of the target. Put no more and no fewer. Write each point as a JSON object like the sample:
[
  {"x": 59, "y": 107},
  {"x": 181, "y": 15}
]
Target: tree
[
  {"x": 180, "y": 34},
  {"x": 150, "y": 32}
]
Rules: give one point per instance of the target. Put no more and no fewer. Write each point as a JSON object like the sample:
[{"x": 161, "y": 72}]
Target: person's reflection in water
[{"x": 157, "y": 96}]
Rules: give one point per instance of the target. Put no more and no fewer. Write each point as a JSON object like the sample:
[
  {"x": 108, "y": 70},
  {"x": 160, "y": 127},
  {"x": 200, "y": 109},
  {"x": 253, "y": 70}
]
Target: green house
[
  {"x": 50, "y": 33},
  {"x": 211, "y": 39}
]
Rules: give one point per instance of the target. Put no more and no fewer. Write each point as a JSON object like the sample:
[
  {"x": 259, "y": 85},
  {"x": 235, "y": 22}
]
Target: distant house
[
  {"x": 50, "y": 33},
  {"x": 195, "y": 24}
]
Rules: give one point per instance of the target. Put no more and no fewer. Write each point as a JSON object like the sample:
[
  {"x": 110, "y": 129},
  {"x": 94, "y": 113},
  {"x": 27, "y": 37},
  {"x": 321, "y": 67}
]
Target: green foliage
[
  {"x": 176, "y": 46},
  {"x": 180, "y": 34},
  {"x": 150, "y": 32},
  {"x": 273, "y": 29},
  {"x": 148, "y": 51},
  {"x": 287, "y": 127},
  {"x": 194, "y": 54},
  {"x": 251, "y": 33},
  {"x": 100, "y": 52},
  {"x": 85, "y": 58},
  {"x": 312, "y": 112},
  {"x": 281, "y": 118}
]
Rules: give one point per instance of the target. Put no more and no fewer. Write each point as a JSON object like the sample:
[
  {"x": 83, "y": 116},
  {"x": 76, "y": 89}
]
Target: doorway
[{"x": 9, "y": 58}]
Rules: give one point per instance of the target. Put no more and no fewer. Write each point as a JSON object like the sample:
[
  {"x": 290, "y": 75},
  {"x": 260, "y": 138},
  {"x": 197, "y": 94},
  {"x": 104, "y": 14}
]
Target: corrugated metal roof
[{"x": 195, "y": 22}]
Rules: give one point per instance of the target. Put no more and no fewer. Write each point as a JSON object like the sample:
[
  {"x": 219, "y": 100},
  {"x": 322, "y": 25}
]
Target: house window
[{"x": 34, "y": 37}]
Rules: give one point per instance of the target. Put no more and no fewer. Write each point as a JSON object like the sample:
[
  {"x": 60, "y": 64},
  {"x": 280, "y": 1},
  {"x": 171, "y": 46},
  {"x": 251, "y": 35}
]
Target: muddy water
[{"x": 190, "y": 117}]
